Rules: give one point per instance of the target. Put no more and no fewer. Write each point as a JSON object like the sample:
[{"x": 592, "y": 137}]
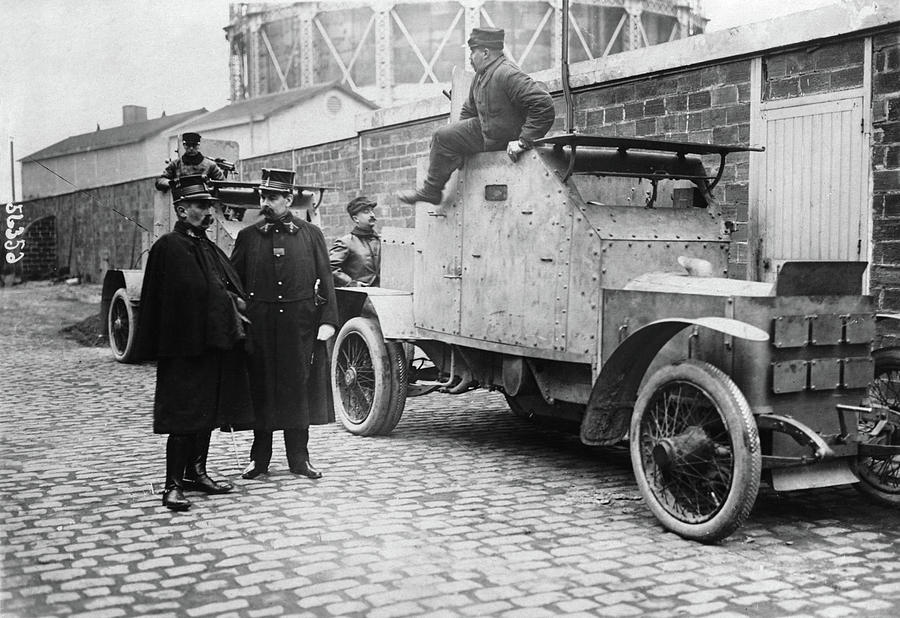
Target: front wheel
[
  {"x": 695, "y": 451},
  {"x": 121, "y": 324},
  {"x": 879, "y": 477},
  {"x": 368, "y": 379}
]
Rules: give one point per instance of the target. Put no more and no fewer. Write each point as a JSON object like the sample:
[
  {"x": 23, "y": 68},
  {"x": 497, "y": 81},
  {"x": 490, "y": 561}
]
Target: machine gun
[{"x": 238, "y": 196}]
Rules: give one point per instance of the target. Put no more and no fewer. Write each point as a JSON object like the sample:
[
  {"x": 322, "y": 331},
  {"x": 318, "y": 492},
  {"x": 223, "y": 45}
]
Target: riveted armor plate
[
  {"x": 790, "y": 331},
  {"x": 827, "y": 329},
  {"x": 789, "y": 376},
  {"x": 858, "y": 372},
  {"x": 824, "y": 374},
  {"x": 859, "y": 328}
]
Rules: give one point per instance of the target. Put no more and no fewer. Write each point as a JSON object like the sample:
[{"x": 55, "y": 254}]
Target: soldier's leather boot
[
  {"x": 418, "y": 195},
  {"x": 178, "y": 449},
  {"x": 195, "y": 475},
  {"x": 305, "y": 468}
]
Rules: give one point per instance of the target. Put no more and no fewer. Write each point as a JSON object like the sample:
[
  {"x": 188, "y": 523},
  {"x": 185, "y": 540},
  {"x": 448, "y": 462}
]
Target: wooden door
[{"x": 811, "y": 184}]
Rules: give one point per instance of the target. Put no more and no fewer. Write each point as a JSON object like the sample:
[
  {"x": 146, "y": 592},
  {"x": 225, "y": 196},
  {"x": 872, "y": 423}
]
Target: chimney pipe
[{"x": 133, "y": 113}]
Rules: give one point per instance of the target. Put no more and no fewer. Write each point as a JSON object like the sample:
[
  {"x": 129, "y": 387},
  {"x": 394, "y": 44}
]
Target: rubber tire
[
  {"x": 735, "y": 413},
  {"x": 387, "y": 363},
  {"x": 123, "y": 348},
  {"x": 886, "y": 361}
]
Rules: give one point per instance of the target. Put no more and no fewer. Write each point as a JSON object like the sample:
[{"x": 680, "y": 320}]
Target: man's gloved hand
[
  {"x": 326, "y": 332},
  {"x": 514, "y": 149}
]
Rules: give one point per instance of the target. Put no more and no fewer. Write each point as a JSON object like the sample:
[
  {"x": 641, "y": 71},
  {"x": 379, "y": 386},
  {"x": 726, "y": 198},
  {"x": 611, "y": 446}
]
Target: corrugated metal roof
[
  {"x": 116, "y": 136},
  {"x": 269, "y": 104}
]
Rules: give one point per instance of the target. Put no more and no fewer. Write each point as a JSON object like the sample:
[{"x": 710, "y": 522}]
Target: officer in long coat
[
  {"x": 192, "y": 326},
  {"x": 282, "y": 260}
]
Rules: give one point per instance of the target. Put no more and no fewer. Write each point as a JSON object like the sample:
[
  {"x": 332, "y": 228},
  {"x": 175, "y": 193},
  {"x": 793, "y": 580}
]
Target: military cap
[
  {"x": 359, "y": 204},
  {"x": 277, "y": 180},
  {"x": 191, "y": 188},
  {"x": 492, "y": 38},
  {"x": 190, "y": 138}
]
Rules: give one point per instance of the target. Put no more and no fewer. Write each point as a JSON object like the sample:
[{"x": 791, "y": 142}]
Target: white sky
[{"x": 67, "y": 65}]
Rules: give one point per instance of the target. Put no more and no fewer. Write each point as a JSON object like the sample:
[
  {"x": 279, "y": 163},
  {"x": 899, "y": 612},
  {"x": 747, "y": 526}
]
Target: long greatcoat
[
  {"x": 188, "y": 324},
  {"x": 279, "y": 264}
]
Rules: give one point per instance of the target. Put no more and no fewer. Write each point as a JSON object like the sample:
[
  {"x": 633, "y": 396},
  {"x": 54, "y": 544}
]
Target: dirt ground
[{"x": 55, "y": 308}]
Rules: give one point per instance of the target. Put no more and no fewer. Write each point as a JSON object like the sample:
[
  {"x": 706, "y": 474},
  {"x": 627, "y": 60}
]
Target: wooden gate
[{"x": 810, "y": 186}]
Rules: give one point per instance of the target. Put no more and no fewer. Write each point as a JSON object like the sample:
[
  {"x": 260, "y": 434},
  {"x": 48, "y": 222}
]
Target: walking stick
[{"x": 237, "y": 458}]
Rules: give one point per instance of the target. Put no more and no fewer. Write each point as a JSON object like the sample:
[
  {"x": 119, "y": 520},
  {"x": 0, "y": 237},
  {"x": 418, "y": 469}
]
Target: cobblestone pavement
[{"x": 463, "y": 511}]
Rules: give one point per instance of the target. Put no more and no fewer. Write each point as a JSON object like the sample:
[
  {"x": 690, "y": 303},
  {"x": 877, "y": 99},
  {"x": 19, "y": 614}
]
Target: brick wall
[
  {"x": 388, "y": 165},
  {"x": 39, "y": 261},
  {"x": 819, "y": 69},
  {"x": 90, "y": 235},
  {"x": 886, "y": 176}
]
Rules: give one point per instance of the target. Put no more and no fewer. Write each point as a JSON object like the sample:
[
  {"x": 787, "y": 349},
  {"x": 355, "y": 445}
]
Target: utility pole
[{"x": 12, "y": 170}]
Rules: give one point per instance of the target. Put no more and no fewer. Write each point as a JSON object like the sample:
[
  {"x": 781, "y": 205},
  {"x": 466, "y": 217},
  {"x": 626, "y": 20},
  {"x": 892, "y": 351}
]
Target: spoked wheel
[
  {"x": 368, "y": 379},
  {"x": 879, "y": 477},
  {"x": 121, "y": 325},
  {"x": 695, "y": 451}
]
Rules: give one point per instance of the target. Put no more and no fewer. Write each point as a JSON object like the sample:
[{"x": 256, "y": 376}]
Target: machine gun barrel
[
  {"x": 241, "y": 194},
  {"x": 235, "y": 193}
]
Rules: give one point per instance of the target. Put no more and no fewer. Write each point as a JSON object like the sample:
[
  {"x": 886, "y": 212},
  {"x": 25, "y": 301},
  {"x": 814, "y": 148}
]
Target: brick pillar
[{"x": 885, "y": 283}]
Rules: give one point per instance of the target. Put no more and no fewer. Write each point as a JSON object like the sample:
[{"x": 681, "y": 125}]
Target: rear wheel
[
  {"x": 368, "y": 379},
  {"x": 695, "y": 451},
  {"x": 121, "y": 325},
  {"x": 879, "y": 477}
]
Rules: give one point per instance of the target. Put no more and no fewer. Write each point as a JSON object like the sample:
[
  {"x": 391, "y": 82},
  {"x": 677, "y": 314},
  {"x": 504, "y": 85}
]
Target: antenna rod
[{"x": 567, "y": 91}]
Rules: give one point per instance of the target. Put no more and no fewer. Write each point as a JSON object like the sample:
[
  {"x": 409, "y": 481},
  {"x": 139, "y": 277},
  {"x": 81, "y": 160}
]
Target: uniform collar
[
  {"x": 364, "y": 233},
  {"x": 189, "y": 230},
  {"x": 287, "y": 224},
  {"x": 491, "y": 66}
]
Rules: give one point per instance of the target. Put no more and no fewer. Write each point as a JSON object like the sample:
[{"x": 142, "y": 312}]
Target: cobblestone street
[{"x": 464, "y": 510}]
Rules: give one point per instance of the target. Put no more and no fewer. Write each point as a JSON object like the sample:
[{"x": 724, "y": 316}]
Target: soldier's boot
[
  {"x": 178, "y": 450},
  {"x": 195, "y": 475},
  {"x": 420, "y": 195}
]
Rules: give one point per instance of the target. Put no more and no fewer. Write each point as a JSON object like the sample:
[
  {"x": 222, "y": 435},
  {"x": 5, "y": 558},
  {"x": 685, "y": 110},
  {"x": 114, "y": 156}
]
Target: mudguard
[
  {"x": 612, "y": 398},
  {"x": 131, "y": 280},
  {"x": 392, "y": 308}
]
